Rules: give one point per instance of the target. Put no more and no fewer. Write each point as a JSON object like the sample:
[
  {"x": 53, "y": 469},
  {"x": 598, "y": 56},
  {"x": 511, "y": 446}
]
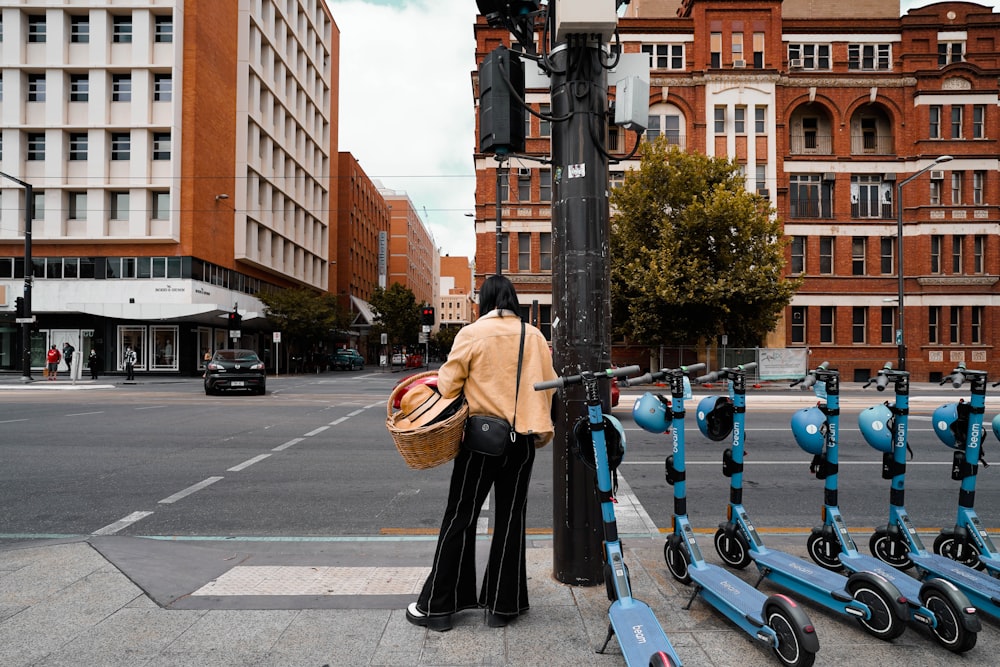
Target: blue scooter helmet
[
  {"x": 715, "y": 417},
  {"x": 614, "y": 438},
  {"x": 950, "y": 424},
  {"x": 652, "y": 413},
  {"x": 876, "y": 427},
  {"x": 809, "y": 429},
  {"x": 996, "y": 426}
]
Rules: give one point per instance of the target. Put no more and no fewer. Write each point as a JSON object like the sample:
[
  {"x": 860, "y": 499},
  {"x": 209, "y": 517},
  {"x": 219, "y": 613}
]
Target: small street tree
[
  {"x": 396, "y": 314},
  {"x": 305, "y": 318},
  {"x": 693, "y": 254}
]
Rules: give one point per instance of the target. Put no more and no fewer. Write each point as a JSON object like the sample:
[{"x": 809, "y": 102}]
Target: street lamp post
[
  {"x": 900, "y": 343},
  {"x": 26, "y": 317}
]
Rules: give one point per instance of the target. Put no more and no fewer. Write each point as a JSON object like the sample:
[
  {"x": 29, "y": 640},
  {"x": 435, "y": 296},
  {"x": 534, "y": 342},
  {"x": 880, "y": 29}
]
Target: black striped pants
[{"x": 451, "y": 585}]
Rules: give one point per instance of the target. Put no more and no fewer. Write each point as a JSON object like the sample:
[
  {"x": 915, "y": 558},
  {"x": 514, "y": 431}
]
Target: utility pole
[{"x": 27, "y": 317}]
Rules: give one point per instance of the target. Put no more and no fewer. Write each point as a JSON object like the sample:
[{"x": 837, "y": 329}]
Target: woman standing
[{"x": 483, "y": 364}]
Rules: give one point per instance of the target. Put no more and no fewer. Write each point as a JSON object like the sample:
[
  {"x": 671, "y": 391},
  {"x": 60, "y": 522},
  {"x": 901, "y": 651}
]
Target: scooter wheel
[
  {"x": 883, "y": 623},
  {"x": 677, "y": 559},
  {"x": 790, "y": 647},
  {"x": 824, "y": 551},
  {"x": 949, "y": 632},
  {"x": 893, "y": 551},
  {"x": 661, "y": 659},
  {"x": 962, "y": 551},
  {"x": 732, "y": 548}
]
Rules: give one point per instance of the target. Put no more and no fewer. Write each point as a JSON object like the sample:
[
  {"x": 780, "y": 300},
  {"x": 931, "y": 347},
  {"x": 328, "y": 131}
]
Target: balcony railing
[
  {"x": 811, "y": 143},
  {"x": 866, "y": 209},
  {"x": 871, "y": 144}
]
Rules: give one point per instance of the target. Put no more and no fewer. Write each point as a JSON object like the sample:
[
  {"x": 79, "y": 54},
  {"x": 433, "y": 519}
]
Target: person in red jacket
[{"x": 53, "y": 357}]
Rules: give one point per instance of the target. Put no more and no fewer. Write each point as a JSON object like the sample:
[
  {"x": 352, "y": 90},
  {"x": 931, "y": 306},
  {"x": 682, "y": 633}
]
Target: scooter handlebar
[
  {"x": 661, "y": 374},
  {"x": 566, "y": 380},
  {"x": 725, "y": 372},
  {"x": 810, "y": 379}
]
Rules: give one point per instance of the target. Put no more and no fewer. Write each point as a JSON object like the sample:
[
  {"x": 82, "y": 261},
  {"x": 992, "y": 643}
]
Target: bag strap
[{"x": 517, "y": 388}]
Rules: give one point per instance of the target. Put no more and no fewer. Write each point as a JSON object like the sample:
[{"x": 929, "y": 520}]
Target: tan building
[
  {"x": 413, "y": 256},
  {"x": 455, "y": 301}
]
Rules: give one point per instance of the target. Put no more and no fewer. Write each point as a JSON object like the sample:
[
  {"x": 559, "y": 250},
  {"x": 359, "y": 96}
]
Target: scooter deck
[
  {"x": 975, "y": 583},
  {"x": 729, "y": 589},
  {"x": 787, "y": 568},
  {"x": 639, "y": 633},
  {"x": 905, "y": 584}
]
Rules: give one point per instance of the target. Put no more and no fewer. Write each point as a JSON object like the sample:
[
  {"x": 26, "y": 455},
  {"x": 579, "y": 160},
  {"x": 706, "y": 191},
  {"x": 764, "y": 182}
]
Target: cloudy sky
[{"x": 406, "y": 106}]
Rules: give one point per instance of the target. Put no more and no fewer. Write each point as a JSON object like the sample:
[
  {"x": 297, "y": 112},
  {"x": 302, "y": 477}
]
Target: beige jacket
[{"x": 483, "y": 364}]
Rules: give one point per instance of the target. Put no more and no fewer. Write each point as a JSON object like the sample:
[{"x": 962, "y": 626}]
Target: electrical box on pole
[{"x": 501, "y": 114}]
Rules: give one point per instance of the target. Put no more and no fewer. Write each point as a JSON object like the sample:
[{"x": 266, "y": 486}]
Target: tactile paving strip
[{"x": 305, "y": 580}]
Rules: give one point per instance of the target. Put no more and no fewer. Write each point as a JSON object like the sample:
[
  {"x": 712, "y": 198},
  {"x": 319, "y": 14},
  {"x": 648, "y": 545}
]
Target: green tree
[
  {"x": 396, "y": 314},
  {"x": 693, "y": 254},
  {"x": 444, "y": 339},
  {"x": 304, "y": 317}
]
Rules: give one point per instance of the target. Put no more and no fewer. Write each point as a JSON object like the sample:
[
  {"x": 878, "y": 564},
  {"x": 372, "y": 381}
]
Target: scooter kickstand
[
  {"x": 611, "y": 633},
  {"x": 694, "y": 594}
]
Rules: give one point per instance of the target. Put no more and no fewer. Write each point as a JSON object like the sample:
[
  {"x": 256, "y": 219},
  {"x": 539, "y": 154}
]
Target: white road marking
[
  {"x": 151, "y": 407},
  {"x": 113, "y": 528},
  {"x": 191, "y": 489},
  {"x": 355, "y": 413},
  {"x": 11, "y": 421},
  {"x": 293, "y": 441},
  {"x": 316, "y": 581},
  {"x": 316, "y": 431},
  {"x": 339, "y": 420},
  {"x": 249, "y": 462},
  {"x": 81, "y": 414}
]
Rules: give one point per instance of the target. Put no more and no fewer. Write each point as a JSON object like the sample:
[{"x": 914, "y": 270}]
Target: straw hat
[{"x": 422, "y": 405}]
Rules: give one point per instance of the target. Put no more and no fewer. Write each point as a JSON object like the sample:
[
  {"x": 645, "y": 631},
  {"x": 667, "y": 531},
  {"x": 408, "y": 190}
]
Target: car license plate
[{"x": 238, "y": 383}]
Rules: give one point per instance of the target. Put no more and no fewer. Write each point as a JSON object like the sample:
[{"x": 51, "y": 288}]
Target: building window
[
  {"x": 545, "y": 251},
  {"x": 163, "y": 32},
  {"x": 720, "y": 120},
  {"x": 121, "y": 88},
  {"x": 859, "y": 324},
  {"x": 933, "y": 324},
  {"x": 760, "y": 178},
  {"x": 544, "y": 124},
  {"x": 957, "y": 244},
  {"x": 956, "y": 186},
  {"x": 77, "y": 146},
  {"x": 505, "y": 251},
  {"x": 887, "y": 255},
  {"x": 665, "y": 56},
  {"x": 869, "y": 56},
  {"x": 523, "y": 184},
  {"x": 715, "y": 46},
  {"x": 956, "y": 122},
  {"x": 38, "y": 205},
  {"x": 950, "y": 52},
  {"x": 161, "y": 145},
  {"x": 79, "y": 87},
  {"x": 758, "y": 50},
  {"x": 978, "y": 182},
  {"x": 978, "y": 313},
  {"x": 870, "y": 197},
  {"x": 737, "y": 46},
  {"x": 163, "y": 88},
  {"x": 36, "y": 146},
  {"x": 524, "y": 251},
  {"x": 36, "y": 28},
  {"x": 666, "y": 124},
  {"x": 979, "y": 121},
  {"x": 544, "y": 185},
  {"x": 955, "y": 325},
  {"x": 826, "y": 324},
  {"x": 810, "y": 196},
  {"x": 826, "y": 255},
  {"x": 934, "y": 194},
  {"x": 77, "y": 205},
  {"x": 888, "y": 328},
  {"x": 36, "y": 87},
  {"x": 798, "y": 266},
  {"x": 809, "y": 56},
  {"x": 760, "y": 120},
  {"x": 121, "y": 29},
  {"x": 934, "y": 122},
  {"x": 798, "y": 325},
  {"x": 859, "y": 248},
  {"x": 978, "y": 252},
  {"x": 936, "y": 241},
  {"x": 161, "y": 205},
  {"x": 121, "y": 145},
  {"x": 118, "y": 205},
  {"x": 79, "y": 29},
  {"x": 740, "y": 120}
]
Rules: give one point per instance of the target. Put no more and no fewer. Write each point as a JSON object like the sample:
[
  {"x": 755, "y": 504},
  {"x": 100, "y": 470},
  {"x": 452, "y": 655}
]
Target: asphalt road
[{"x": 312, "y": 459}]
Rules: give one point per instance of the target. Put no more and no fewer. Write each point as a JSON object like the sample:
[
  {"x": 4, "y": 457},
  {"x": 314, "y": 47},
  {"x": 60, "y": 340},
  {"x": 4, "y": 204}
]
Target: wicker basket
[{"x": 427, "y": 446}]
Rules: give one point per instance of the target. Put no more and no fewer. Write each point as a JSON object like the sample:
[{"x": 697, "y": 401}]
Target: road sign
[
  {"x": 276, "y": 337},
  {"x": 25, "y": 320},
  {"x": 234, "y": 333},
  {"x": 385, "y": 339}
]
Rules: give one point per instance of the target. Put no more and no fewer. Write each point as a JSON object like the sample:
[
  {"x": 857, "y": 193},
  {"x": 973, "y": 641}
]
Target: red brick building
[{"x": 827, "y": 107}]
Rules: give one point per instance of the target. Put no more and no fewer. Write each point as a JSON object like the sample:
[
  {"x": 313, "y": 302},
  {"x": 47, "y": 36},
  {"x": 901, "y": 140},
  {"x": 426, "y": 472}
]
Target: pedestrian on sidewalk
[
  {"x": 67, "y": 353},
  {"x": 94, "y": 364},
  {"x": 483, "y": 364},
  {"x": 128, "y": 361},
  {"x": 52, "y": 358}
]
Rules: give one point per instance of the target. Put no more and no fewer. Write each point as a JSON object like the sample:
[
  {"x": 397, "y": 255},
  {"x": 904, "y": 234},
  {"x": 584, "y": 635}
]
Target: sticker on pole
[{"x": 576, "y": 170}]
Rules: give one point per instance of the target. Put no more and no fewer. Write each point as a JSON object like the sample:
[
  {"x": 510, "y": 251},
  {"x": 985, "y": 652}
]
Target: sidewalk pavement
[{"x": 132, "y": 601}]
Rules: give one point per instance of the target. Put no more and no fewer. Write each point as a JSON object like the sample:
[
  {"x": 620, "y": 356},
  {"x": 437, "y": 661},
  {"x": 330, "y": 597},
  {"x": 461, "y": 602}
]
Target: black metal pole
[
  {"x": 502, "y": 176},
  {"x": 29, "y": 202},
  {"x": 580, "y": 294}
]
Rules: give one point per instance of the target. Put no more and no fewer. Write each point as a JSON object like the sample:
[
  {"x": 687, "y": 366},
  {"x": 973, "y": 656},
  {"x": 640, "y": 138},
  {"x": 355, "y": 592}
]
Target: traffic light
[
  {"x": 427, "y": 315},
  {"x": 235, "y": 319},
  {"x": 19, "y": 306},
  {"x": 501, "y": 111}
]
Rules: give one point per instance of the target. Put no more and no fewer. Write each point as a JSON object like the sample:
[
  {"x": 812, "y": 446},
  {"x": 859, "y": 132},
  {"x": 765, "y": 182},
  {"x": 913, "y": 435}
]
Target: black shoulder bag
[{"x": 489, "y": 435}]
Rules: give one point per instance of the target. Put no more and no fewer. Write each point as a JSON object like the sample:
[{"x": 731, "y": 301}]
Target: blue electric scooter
[
  {"x": 641, "y": 638},
  {"x": 870, "y": 598},
  {"x": 775, "y": 620},
  {"x": 935, "y": 603},
  {"x": 960, "y": 426},
  {"x": 884, "y": 427}
]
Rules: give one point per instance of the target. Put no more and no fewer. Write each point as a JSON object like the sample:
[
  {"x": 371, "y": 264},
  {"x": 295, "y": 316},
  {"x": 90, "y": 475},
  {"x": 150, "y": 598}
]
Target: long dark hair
[{"x": 498, "y": 292}]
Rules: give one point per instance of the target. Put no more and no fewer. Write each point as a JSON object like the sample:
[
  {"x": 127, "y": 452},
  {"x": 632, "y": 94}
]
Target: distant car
[
  {"x": 347, "y": 360},
  {"x": 398, "y": 359},
  {"x": 235, "y": 369}
]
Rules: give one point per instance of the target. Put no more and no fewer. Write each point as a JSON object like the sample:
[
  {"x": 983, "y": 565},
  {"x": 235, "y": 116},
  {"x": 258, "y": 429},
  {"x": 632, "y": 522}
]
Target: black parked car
[
  {"x": 235, "y": 369},
  {"x": 347, "y": 360}
]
